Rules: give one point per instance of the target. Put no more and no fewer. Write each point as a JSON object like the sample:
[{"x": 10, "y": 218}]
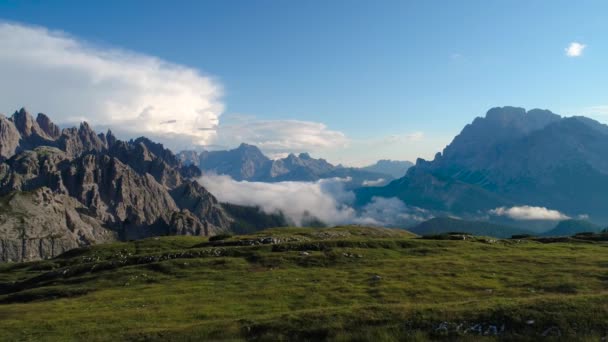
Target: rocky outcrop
[
  {"x": 185, "y": 223},
  {"x": 42, "y": 224},
  {"x": 9, "y": 138},
  {"x": 64, "y": 189},
  {"x": 202, "y": 204},
  {"x": 137, "y": 155},
  {"x": 47, "y": 126},
  {"x": 76, "y": 141}
]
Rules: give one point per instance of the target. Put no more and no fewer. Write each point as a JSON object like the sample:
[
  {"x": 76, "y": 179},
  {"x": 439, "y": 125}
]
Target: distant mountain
[
  {"x": 512, "y": 157},
  {"x": 394, "y": 168},
  {"x": 62, "y": 189},
  {"x": 573, "y": 227},
  {"x": 441, "y": 225},
  {"x": 247, "y": 162}
]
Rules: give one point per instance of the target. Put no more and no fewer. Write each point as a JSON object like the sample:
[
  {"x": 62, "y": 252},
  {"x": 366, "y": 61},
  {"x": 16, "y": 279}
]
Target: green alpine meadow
[{"x": 287, "y": 284}]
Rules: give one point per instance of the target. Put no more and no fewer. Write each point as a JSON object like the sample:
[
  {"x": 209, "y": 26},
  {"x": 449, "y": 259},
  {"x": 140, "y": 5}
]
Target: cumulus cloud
[
  {"x": 575, "y": 49},
  {"x": 325, "y": 199},
  {"x": 279, "y": 137},
  {"x": 134, "y": 94},
  {"x": 526, "y": 212}
]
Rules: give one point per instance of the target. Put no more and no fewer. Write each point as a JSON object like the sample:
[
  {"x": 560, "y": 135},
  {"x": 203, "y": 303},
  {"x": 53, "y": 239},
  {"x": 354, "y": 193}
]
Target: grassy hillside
[
  {"x": 440, "y": 225},
  {"x": 309, "y": 284}
]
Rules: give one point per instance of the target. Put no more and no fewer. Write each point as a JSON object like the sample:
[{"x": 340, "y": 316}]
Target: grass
[{"x": 345, "y": 283}]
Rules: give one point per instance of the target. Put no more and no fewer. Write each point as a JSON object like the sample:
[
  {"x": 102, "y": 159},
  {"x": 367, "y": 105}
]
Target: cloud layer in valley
[
  {"x": 325, "y": 199},
  {"x": 527, "y": 213}
]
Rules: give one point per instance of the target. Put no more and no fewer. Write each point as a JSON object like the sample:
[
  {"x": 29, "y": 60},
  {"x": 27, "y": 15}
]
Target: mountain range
[
  {"x": 62, "y": 189},
  {"x": 65, "y": 188},
  {"x": 512, "y": 157},
  {"x": 247, "y": 162}
]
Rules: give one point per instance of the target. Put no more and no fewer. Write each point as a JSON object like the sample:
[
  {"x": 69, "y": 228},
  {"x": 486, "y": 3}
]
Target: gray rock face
[
  {"x": 47, "y": 126},
  {"x": 26, "y": 125},
  {"x": 185, "y": 223},
  {"x": 62, "y": 190},
  {"x": 137, "y": 155},
  {"x": 202, "y": 204},
  {"x": 42, "y": 224},
  {"x": 76, "y": 141},
  {"x": 9, "y": 138}
]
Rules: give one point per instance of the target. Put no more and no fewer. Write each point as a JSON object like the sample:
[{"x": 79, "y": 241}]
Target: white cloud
[
  {"x": 391, "y": 212},
  {"x": 325, "y": 199},
  {"x": 278, "y": 137},
  {"x": 134, "y": 94},
  {"x": 376, "y": 182},
  {"x": 526, "y": 212},
  {"x": 575, "y": 49}
]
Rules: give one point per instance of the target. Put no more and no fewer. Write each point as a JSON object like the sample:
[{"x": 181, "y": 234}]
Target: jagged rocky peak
[
  {"x": 76, "y": 141},
  {"x": 47, "y": 126},
  {"x": 250, "y": 151},
  {"x": 26, "y": 125},
  {"x": 23, "y": 121},
  {"x": 110, "y": 138},
  {"x": 158, "y": 150}
]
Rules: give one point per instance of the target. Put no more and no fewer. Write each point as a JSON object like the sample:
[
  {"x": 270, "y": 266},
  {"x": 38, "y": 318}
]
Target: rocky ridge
[{"x": 62, "y": 189}]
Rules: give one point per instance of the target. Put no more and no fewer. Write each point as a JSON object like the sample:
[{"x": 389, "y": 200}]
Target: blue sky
[{"x": 377, "y": 79}]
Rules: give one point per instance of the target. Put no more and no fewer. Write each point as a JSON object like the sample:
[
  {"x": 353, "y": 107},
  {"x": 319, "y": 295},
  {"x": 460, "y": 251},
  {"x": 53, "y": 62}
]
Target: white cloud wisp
[{"x": 528, "y": 213}]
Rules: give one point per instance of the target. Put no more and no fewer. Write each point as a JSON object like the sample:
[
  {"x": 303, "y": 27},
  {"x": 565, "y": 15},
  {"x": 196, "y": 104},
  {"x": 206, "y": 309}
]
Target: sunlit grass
[{"x": 339, "y": 284}]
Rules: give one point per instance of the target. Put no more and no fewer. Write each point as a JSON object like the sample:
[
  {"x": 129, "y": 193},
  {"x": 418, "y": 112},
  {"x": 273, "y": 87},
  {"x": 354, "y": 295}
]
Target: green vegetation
[
  {"x": 344, "y": 283},
  {"x": 251, "y": 219}
]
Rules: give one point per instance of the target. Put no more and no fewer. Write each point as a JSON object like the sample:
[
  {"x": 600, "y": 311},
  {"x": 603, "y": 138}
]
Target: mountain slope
[
  {"x": 513, "y": 157},
  {"x": 573, "y": 227},
  {"x": 93, "y": 188},
  {"x": 441, "y": 225},
  {"x": 393, "y": 168}
]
